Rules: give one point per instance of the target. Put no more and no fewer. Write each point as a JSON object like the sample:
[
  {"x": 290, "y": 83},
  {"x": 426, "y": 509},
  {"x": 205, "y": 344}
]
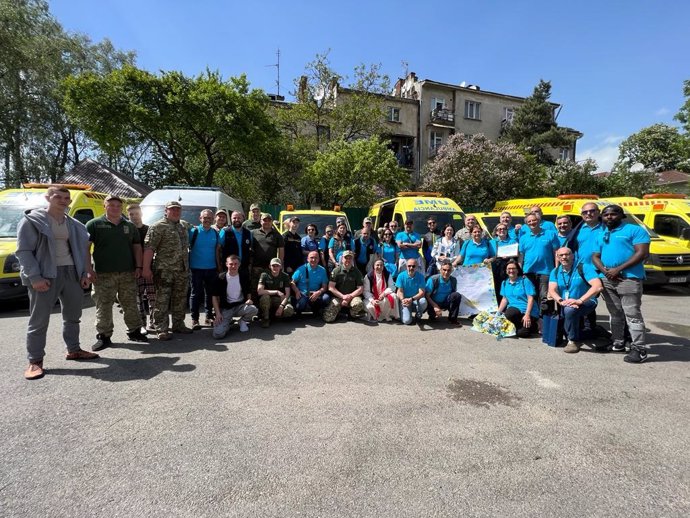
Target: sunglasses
[
  {"x": 590, "y": 211},
  {"x": 412, "y": 266}
]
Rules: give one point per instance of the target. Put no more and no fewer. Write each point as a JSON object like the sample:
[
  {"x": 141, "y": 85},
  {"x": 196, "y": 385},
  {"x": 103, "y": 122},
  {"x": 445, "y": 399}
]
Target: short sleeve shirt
[
  {"x": 588, "y": 242},
  {"x": 280, "y": 282},
  {"x": 265, "y": 246},
  {"x": 346, "y": 281},
  {"x": 202, "y": 255},
  {"x": 112, "y": 244},
  {"x": 444, "y": 289},
  {"x": 410, "y": 285},
  {"x": 618, "y": 245},
  {"x": 571, "y": 285},
  {"x": 538, "y": 250},
  {"x": 405, "y": 237},
  {"x": 517, "y": 293},
  {"x": 310, "y": 279},
  {"x": 473, "y": 253}
]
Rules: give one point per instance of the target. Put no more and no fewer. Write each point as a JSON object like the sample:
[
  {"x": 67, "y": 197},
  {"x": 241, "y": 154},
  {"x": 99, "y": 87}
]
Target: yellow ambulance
[
  {"x": 667, "y": 213},
  {"x": 418, "y": 207},
  {"x": 320, "y": 218},
  {"x": 14, "y": 203},
  {"x": 667, "y": 262}
]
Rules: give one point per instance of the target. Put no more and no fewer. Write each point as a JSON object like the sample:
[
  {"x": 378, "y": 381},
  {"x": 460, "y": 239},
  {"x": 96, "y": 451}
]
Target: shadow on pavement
[
  {"x": 180, "y": 344},
  {"x": 117, "y": 369}
]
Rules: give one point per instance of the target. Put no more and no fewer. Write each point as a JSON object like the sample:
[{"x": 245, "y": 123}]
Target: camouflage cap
[{"x": 173, "y": 203}]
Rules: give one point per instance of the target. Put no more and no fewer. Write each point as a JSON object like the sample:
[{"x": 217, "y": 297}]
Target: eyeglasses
[
  {"x": 311, "y": 230},
  {"x": 589, "y": 211},
  {"x": 412, "y": 266},
  {"x": 388, "y": 234},
  {"x": 329, "y": 231},
  {"x": 563, "y": 223}
]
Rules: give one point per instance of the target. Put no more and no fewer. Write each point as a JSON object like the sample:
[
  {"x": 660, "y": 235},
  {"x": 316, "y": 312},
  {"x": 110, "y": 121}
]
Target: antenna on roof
[
  {"x": 277, "y": 65},
  {"x": 406, "y": 67}
]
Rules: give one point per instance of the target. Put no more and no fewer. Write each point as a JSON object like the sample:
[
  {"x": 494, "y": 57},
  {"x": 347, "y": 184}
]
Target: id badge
[{"x": 566, "y": 295}]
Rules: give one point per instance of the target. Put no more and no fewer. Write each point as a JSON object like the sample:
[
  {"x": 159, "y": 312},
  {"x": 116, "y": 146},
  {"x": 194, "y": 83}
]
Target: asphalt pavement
[{"x": 347, "y": 419}]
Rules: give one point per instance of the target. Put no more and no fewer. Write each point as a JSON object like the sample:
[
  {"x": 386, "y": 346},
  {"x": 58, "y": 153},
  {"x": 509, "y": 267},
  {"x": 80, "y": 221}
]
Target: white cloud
[
  {"x": 605, "y": 152},
  {"x": 662, "y": 111}
]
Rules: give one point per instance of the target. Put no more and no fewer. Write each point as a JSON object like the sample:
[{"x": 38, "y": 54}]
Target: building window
[
  {"x": 508, "y": 115},
  {"x": 438, "y": 103},
  {"x": 473, "y": 110},
  {"x": 393, "y": 114},
  {"x": 564, "y": 153},
  {"x": 435, "y": 142}
]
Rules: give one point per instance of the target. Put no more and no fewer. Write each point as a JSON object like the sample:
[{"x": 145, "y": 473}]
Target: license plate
[{"x": 677, "y": 279}]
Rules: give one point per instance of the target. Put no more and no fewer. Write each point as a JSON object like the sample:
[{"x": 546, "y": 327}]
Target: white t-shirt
[{"x": 234, "y": 290}]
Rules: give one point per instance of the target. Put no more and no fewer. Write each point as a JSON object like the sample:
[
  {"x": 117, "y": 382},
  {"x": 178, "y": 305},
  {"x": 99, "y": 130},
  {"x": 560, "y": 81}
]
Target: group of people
[{"x": 241, "y": 269}]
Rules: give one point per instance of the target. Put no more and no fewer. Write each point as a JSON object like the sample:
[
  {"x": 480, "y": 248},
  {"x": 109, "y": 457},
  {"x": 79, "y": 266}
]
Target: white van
[{"x": 192, "y": 199}]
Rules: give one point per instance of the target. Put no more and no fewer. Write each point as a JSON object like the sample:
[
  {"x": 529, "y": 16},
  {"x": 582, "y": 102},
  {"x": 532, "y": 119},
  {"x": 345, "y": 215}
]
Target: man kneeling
[
  {"x": 347, "y": 286},
  {"x": 231, "y": 298},
  {"x": 274, "y": 293},
  {"x": 441, "y": 293}
]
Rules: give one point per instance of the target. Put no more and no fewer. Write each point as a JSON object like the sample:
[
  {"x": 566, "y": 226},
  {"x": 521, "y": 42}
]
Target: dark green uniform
[
  {"x": 346, "y": 281},
  {"x": 269, "y": 303}
]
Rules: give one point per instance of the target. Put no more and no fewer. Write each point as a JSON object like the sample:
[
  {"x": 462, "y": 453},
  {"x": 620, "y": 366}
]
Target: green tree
[
  {"x": 534, "y": 127},
  {"x": 683, "y": 115},
  {"x": 658, "y": 148},
  {"x": 36, "y": 138},
  {"x": 624, "y": 182},
  {"x": 568, "y": 177},
  {"x": 198, "y": 126},
  {"x": 475, "y": 172},
  {"x": 354, "y": 173}
]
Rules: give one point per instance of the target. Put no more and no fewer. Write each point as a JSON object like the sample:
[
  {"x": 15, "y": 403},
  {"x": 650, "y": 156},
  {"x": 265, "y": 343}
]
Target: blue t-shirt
[
  {"x": 310, "y": 279},
  {"x": 473, "y": 253},
  {"x": 538, "y": 250},
  {"x": 404, "y": 237},
  {"x": 562, "y": 240},
  {"x": 387, "y": 252},
  {"x": 202, "y": 256},
  {"x": 517, "y": 294},
  {"x": 323, "y": 245},
  {"x": 571, "y": 285},
  {"x": 238, "y": 238},
  {"x": 410, "y": 285},
  {"x": 512, "y": 234},
  {"x": 310, "y": 244},
  {"x": 444, "y": 289},
  {"x": 618, "y": 245},
  {"x": 340, "y": 246},
  {"x": 362, "y": 258},
  {"x": 588, "y": 242}
]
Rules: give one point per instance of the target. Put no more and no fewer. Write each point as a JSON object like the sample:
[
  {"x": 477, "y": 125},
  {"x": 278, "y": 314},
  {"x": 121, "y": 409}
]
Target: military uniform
[
  {"x": 346, "y": 281},
  {"x": 170, "y": 244},
  {"x": 113, "y": 256},
  {"x": 268, "y": 304}
]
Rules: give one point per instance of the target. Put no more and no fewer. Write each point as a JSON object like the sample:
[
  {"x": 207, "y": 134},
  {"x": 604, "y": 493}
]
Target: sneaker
[
  {"x": 208, "y": 322},
  {"x": 102, "y": 342},
  {"x": 196, "y": 326},
  {"x": 618, "y": 348},
  {"x": 164, "y": 336},
  {"x": 571, "y": 347},
  {"x": 183, "y": 329},
  {"x": 137, "y": 336},
  {"x": 34, "y": 371},
  {"x": 81, "y": 354},
  {"x": 601, "y": 348},
  {"x": 244, "y": 327},
  {"x": 636, "y": 355}
]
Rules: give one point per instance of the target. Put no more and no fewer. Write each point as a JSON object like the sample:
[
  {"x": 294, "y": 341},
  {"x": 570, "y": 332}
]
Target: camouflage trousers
[
  {"x": 171, "y": 298},
  {"x": 356, "y": 307},
  {"x": 268, "y": 305},
  {"x": 109, "y": 288}
]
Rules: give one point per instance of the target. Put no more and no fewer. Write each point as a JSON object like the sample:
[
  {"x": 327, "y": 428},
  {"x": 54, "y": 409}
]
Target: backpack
[
  {"x": 195, "y": 234},
  {"x": 436, "y": 282}
]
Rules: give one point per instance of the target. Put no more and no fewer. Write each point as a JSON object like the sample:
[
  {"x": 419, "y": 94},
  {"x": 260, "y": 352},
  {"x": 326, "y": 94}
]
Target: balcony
[{"x": 443, "y": 116}]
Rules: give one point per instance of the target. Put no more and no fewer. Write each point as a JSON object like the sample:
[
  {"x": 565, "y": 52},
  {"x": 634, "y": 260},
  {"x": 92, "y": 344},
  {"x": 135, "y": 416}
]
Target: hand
[
  {"x": 298, "y": 294},
  {"x": 279, "y": 311},
  {"x": 376, "y": 302},
  {"x": 91, "y": 275},
  {"x": 438, "y": 311},
  {"x": 85, "y": 283},
  {"x": 526, "y": 321},
  {"x": 42, "y": 285},
  {"x": 407, "y": 302},
  {"x": 314, "y": 296},
  {"x": 218, "y": 319},
  {"x": 612, "y": 274},
  {"x": 137, "y": 273},
  {"x": 147, "y": 274}
]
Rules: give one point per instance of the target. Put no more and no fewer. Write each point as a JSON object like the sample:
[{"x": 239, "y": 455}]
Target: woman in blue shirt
[
  {"x": 518, "y": 304},
  {"x": 389, "y": 252},
  {"x": 502, "y": 238},
  {"x": 477, "y": 250}
]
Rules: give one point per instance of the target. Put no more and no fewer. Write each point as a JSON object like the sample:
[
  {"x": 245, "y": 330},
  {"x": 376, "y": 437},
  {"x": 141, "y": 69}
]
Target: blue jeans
[
  {"x": 572, "y": 317},
  {"x": 304, "y": 304},
  {"x": 418, "y": 306},
  {"x": 202, "y": 281}
]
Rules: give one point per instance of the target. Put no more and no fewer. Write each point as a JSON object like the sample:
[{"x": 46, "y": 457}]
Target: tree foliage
[
  {"x": 197, "y": 126},
  {"x": 568, "y": 177},
  {"x": 534, "y": 127},
  {"x": 624, "y": 182},
  {"x": 683, "y": 115},
  {"x": 354, "y": 173},
  {"x": 475, "y": 172},
  {"x": 658, "y": 148},
  {"x": 36, "y": 138}
]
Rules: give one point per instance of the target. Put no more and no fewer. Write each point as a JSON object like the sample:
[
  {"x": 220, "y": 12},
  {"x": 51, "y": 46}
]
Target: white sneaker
[{"x": 243, "y": 326}]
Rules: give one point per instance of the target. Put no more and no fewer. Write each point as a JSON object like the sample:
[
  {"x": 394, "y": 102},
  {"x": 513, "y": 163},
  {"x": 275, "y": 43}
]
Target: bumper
[
  {"x": 658, "y": 277},
  {"x": 12, "y": 289}
]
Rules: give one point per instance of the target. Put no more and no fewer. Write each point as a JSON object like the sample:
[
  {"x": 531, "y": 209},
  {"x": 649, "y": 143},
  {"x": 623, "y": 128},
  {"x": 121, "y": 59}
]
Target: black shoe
[
  {"x": 619, "y": 348},
  {"x": 635, "y": 355},
  {"x": 601, "y": 348},
  {"x": 137, "y": 336},
  {"x": 102, "y": 342}
]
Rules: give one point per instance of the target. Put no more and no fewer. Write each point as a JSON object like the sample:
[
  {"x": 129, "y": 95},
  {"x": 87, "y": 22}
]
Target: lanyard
[{"x": 569, "y": 283}]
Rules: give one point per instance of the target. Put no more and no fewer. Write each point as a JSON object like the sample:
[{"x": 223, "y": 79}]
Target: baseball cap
[
  {"x": 254, "y": 206},
  {"x": 275, "y": 260},
  {"x": 294, "y": 218},
  {"x": 348, "y": 253},
  {"x": 173, "y": 204},
  {"x": 613, "y": 208},
  {"x": 367, "y": 220},
  {"x": 409, "y": 222},
  {"x": 266, "y": 215},
  {"x": 112, "y": 197},
  {"x": 221, "y": 210},
  {"x": 339, "y": 220}
]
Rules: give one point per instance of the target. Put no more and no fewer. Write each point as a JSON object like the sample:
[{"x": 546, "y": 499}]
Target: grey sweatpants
[
  {"x": 65, "y": 288},
  {"x": 624, "y": 300}
]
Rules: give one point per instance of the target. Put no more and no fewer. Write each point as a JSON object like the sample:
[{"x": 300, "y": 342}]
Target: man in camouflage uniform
[
  {"x": 274, "y": 293},
  {"x": 117, "y": 261},
  {"x": 167, "y": 246},
  {"x": 347, "y": 286}
]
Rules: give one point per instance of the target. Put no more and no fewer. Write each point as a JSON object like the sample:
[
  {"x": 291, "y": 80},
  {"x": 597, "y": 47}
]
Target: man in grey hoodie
[{"x": 52, "y": 249}]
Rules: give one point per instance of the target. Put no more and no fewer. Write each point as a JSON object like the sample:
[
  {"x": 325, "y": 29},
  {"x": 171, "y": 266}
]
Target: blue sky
[{"x": 616, "y": 66}]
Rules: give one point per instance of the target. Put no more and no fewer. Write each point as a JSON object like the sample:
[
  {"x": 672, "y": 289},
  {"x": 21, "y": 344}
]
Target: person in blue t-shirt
[
  {"x": 204, "y": 251},
  {"x": 340, "y": 242},
  {"x": 311, "y": 286},
  {"x": 537, "y": 249},
  {"x": 388, "y": 251},
  {"x": 410, "y": 293},
  {"x": 547, "y": 226},
  {"x": 506, "y": 218},
  {"x": 502, "y": 239},
  {"x": 441, "y": 293},
  {"x": 477, "y": 250},
  {"x": 575, "y": 289},
  {"x": 518, "y": 303},
  {"x": 310, "y": 242},
  {"x": 588, "y": 233},
  {"x": 324, "y": 257},
  {"x": 564, "y": 226},
  {"x": 622, "y": 250},
  {"x": 409, "y": 243},
  {"x": 365, "y": 247}
]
